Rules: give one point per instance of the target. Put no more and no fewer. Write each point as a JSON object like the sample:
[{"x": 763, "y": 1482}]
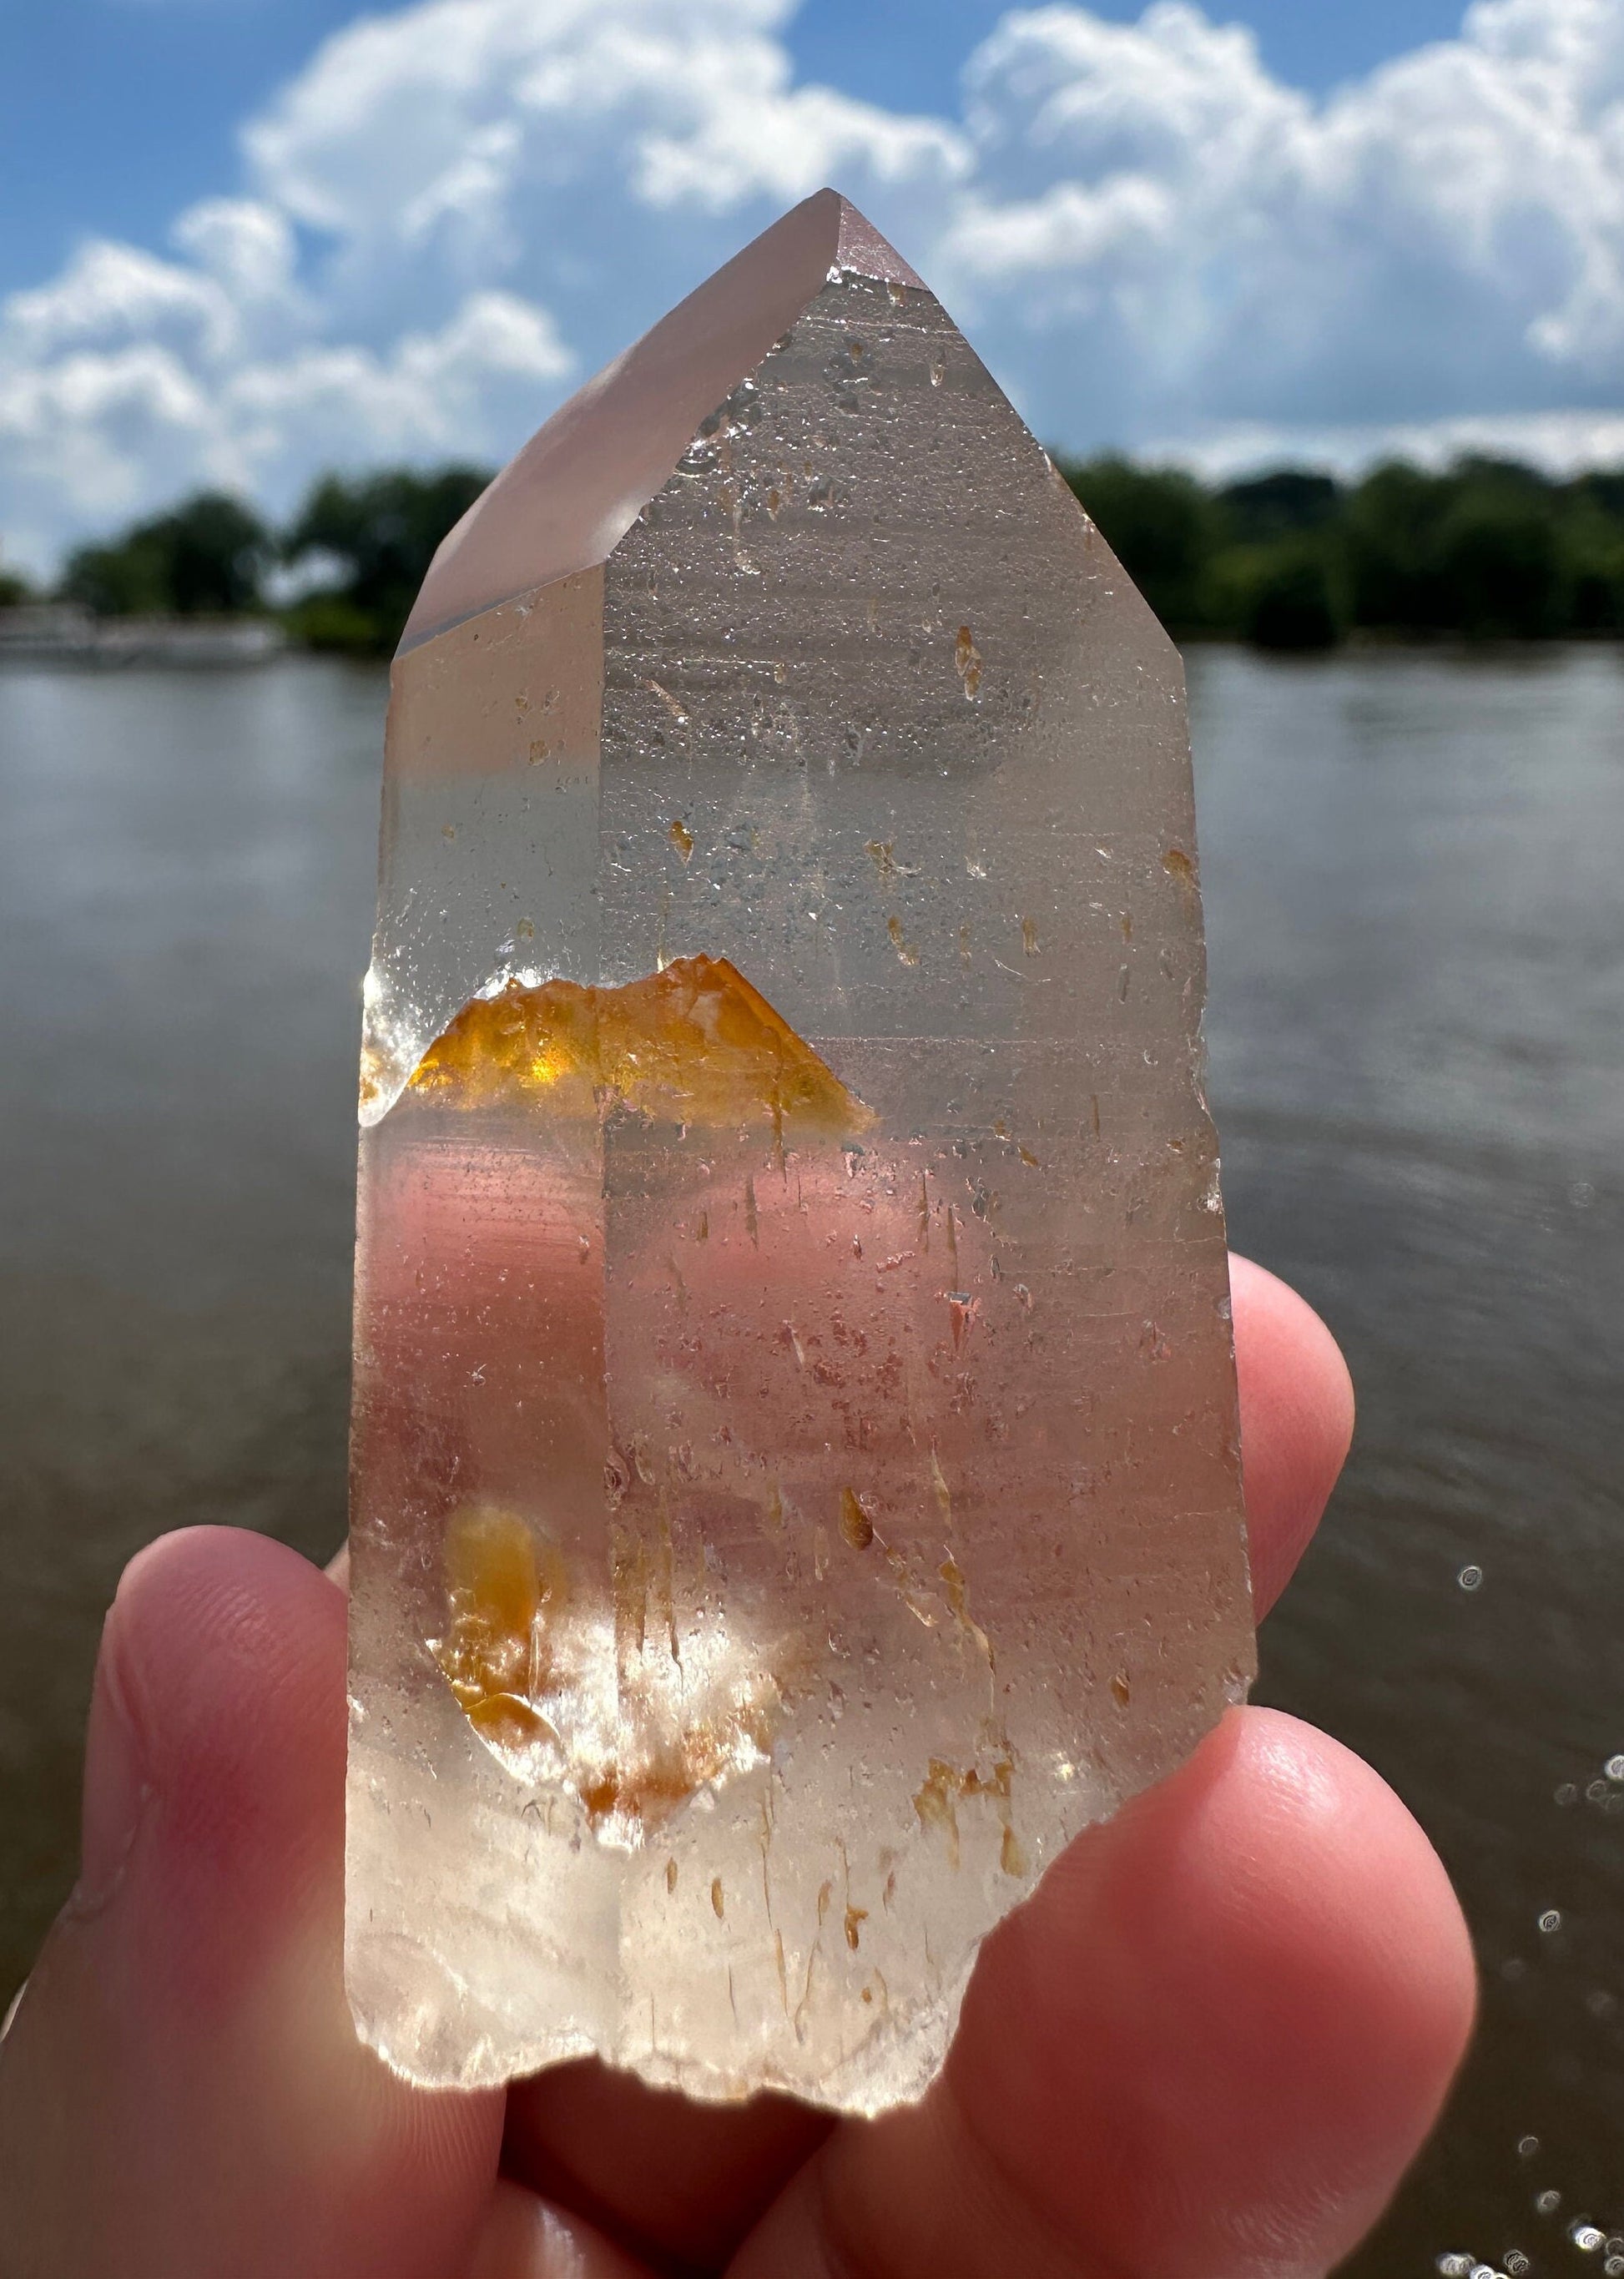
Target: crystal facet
[{"x": 796, "y": 1474}]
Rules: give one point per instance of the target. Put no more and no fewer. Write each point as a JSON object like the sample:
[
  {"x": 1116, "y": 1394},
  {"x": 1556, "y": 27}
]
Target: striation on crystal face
[{"x": 796, "y": 1455}]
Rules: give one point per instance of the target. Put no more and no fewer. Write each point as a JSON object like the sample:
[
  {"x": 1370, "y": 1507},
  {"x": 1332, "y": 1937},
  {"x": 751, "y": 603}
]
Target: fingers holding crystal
[
  {"x": 1207, "y": 2047},
  {"x": 587, "y": 2130},
  {"x": 685, "y": 2181},
  {"x": 523, "y": 2237},
  {"x": 183, "y": 2088}
]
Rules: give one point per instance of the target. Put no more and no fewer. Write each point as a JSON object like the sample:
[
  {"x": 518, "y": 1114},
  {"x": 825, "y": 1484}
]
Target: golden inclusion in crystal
[
  {"x": 494, "y": 1654},
  {"x": 632, "y": 1742},
  {"x": 694, "y": 1043}
]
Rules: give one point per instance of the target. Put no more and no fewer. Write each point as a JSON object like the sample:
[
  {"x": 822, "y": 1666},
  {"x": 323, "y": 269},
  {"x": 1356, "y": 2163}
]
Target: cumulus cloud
[
  {"x": 1443, "y": 237},
  {"x": 459, "y": 208}
]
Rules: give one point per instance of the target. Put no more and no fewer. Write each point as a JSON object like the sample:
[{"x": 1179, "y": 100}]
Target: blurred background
[{"x": 1322, "y": 310}]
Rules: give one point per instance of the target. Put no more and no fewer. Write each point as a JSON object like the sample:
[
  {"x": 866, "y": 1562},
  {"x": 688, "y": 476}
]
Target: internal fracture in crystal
[{"x": 795, "y": 1462}]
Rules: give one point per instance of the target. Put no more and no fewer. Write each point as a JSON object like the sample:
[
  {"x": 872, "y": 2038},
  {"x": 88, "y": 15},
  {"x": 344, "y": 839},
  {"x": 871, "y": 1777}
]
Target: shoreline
[{"x": 65, "y": 634}]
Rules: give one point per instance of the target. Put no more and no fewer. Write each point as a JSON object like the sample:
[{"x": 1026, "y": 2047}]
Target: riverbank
[{"x": 64, "y": 633}]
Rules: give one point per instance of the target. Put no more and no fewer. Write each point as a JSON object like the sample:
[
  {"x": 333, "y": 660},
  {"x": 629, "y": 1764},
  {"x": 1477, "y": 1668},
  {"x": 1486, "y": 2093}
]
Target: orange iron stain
[
  {"x": 691, "y": 1044},
  {"x": 856, "y": 1525}
]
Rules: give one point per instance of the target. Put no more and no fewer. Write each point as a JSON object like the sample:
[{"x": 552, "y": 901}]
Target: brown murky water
[{"x": 1417, "y": 1035}]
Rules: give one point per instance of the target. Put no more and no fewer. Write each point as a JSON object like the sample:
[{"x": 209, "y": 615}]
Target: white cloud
[
  {"x": 249, "y": 249},
  {"x": 469, "y": 108},
  {"x": 1444, "y": 237},
  {"x": 112, "y": 296},
  {"x": 1560, "y": 442},
  {"x": 108, "y": 431},
  {"x": 596, "y": 156},
  {"x": 456, "y": 208},
  {"x": 458, "y": 393}
]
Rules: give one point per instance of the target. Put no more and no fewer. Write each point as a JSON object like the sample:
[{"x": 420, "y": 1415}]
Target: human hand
[{"x": 1205, "y": 2049}]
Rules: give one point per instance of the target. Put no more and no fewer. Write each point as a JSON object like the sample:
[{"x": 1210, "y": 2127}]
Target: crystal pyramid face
[{"x": 795, "y": 1459}]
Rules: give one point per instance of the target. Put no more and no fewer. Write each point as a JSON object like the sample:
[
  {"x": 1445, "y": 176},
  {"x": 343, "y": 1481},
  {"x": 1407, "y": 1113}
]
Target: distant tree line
[
  {"x": 367, "y": 541},
  {"x": 1489, "y": 549},
  {"x": 379, "y": 532}
]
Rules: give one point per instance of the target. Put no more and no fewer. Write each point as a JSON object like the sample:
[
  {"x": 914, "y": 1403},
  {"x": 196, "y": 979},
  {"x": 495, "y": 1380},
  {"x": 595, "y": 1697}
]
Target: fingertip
[
  {"x": 1342, "y": 1930},
  {"x": 1251, "y": 1991},
  {"x": 210, "y": 1577},
  {"x": 220, "y": 1687},
  {"x": 184, "y": 2087},
  {"x": 523, "y": 2237},
  {"x": 1296, "y": 1414},
  {"x": 682, "y": 2181},
  {"x": 200, "y": 1593},
  {"x": 1339, "y": 1988}
]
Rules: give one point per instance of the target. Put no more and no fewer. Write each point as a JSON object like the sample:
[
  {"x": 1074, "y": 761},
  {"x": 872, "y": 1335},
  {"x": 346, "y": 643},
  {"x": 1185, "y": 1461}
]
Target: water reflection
[{"x": 1417, "y": 980}]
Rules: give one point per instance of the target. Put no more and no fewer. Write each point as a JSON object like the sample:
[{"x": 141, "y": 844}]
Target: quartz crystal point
[{"x": 795, "y": 1457}]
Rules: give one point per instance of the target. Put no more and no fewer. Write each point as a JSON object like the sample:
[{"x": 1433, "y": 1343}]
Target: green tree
[
  {"x": 382, "y": 529},
  {"x": 1295, "y": 602},
  {"x": 1288, "y": 559},
  {"x": 1390, "y": 539},
  {"x": 1161, "y": 527},
  {"x": 1602, "y": 490},
  {"x": 123, "y": 578},
  {"x": 1499, "y": 563},
  {"x": 1282, "y": 504},
  {"x": 14, "y": 589},
  {"x": 1592, "y": 532},
  {"x": 206, "y": 557},
  {"x": 1491, "y": 549}
]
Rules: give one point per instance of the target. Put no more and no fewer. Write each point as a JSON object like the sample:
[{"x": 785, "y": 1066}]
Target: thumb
[{"x": 182, "y": 2087}]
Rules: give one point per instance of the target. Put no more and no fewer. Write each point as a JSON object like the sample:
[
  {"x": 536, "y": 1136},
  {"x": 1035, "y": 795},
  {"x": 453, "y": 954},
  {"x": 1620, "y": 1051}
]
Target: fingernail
[{"x": 116, "y": 1784}]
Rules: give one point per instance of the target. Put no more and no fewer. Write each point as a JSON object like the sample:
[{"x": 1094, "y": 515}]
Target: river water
[{"x": 1411, "y": 866}]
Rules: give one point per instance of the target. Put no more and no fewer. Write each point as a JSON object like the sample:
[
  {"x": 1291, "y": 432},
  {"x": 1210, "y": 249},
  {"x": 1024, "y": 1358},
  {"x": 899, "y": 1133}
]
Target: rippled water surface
[{"x": 1413, "y": 871}]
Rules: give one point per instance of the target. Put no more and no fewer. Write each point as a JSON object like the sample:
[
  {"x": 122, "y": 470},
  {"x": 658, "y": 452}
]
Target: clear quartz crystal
[{"x": 795, "y": 1456}]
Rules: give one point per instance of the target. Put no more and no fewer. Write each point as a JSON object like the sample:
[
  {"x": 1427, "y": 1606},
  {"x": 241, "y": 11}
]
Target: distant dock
[{"x": 62, "y": 632}]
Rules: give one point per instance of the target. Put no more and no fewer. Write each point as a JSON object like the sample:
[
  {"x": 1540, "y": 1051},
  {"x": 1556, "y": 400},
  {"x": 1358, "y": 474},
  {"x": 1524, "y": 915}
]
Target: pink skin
[{"x": 1206, "y": 2048}]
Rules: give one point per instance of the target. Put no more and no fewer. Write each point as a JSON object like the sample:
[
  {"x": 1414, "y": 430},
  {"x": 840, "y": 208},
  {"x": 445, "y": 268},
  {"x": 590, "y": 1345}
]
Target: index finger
[{"x": 1297, "y": 1421}]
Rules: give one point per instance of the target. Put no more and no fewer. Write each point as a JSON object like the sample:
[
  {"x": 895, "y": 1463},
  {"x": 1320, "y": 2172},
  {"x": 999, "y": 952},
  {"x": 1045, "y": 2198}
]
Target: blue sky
[
  {"x": 245, "y": 238},
  {"x": 114, "y": 114}
]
